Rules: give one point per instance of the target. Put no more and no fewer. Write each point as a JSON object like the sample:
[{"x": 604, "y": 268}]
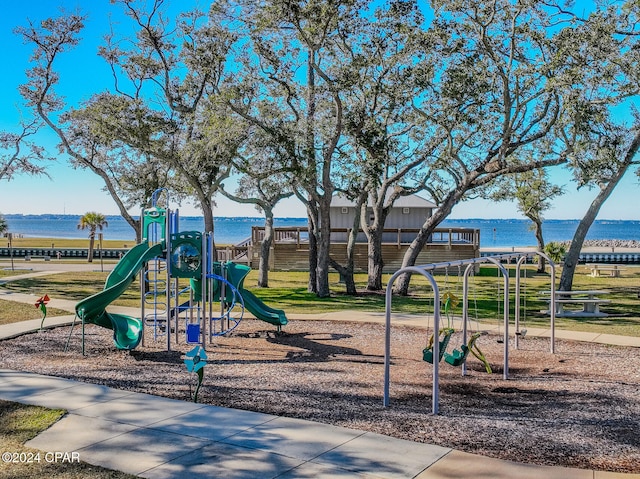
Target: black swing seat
[{"x": 427, "y": 353}]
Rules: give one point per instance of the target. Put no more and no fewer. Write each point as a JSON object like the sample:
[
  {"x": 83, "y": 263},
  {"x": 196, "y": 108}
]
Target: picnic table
[
  {"x": 589, "y": 299},
  {"x": 613, "y": 270}
]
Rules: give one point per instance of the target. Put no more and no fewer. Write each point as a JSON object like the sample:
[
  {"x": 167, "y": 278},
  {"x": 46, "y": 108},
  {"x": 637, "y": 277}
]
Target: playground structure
[
  {"x": 211, "y": 304},
  {"x": 433, "y": 353}
]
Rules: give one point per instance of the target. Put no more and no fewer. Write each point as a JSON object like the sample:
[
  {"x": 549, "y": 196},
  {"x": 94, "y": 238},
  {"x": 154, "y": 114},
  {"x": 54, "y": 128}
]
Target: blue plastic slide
[{"x": 127, "y": 330}]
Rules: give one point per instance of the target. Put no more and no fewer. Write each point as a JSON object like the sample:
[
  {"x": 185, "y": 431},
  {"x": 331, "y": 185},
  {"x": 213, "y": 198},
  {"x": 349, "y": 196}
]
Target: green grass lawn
[
  {"x": 288, "y": 291},
  {"x": 18, "y": 424},
  {"x": 13, "y": 312},
  {"x": 71, "y": 285}
]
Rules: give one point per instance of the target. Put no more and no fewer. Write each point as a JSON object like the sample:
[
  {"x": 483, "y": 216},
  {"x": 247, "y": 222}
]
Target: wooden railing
[
  {"x": 455, "y": 236},
  {"x": 401, "y": 236},
  {"x": 281, "y": 235},
  {"x": 237, "y": 254}
]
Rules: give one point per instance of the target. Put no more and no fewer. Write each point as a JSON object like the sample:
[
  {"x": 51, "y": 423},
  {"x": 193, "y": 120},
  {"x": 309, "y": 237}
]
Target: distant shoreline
[{"x": 595, "y": 246}]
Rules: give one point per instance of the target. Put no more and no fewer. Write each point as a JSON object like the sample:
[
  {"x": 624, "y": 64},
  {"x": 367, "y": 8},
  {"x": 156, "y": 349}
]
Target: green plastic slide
[
  {"x": 127, "y": 330},
  {"x": 236, "y": 274}
]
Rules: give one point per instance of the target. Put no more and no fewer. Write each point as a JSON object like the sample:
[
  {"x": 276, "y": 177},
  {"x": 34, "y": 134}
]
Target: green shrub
[{"x": 556, "y": 251}]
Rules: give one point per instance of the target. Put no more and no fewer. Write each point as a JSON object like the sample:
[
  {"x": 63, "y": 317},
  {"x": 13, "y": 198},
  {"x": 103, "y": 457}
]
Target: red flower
[{"x": 43, "y": 300}]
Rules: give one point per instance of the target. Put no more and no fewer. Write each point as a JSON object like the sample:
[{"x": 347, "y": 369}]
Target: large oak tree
[{"x": 495, "y": 93}]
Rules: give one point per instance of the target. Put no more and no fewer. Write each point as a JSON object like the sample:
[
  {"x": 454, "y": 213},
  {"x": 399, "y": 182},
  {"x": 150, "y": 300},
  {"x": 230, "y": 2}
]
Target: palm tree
[
  {"x": 556, "y": 251},
  {"x": 93, "y": 221}
]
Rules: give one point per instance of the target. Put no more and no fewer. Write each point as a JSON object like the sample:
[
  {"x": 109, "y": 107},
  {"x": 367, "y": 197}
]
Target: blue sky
[{"x": 83, "y": 73}]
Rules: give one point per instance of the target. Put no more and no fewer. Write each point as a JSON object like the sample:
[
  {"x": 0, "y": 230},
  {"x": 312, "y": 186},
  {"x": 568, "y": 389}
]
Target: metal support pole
[
  {"x": 553, "y": 308},
  {"x": 167, "y": 243},
  {"x": 223, "y": 296},
  {"x": 142, "y": 293},
  {"x": 203, "y": 290},
  {"x": 436, "y": 325},
  {"x": 10, "y": 239},
  {"x": 516, "y": 340},
  {"x": 465, "y": 308},
  {"x": 552, "y": 305},
  {"x": 210, "y": 285},
  {"x": 143, "y": 270},
  {"x": 505, "y": 351}
]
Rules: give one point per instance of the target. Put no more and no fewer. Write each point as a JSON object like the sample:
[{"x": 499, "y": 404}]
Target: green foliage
[
  {"x": 92, "y": 221},
  {"x": 20, "y": 154},
  {"x": 556, "y": 251},
  {"x": 532, "y": 191}
]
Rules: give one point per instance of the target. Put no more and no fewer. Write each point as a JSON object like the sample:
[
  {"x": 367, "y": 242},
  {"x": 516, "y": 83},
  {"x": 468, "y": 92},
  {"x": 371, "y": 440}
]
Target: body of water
[
  {"x": 228, "y": 230},
  {"x": 232, "y": 230},
  {"x": 516, "y": 232}
]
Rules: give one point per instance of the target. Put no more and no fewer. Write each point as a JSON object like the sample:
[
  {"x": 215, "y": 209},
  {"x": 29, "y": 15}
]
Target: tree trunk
[
  {"x": 265, "y": 250},
  {"x": 410, "y": 256},
  {"x": 313, "y": 248},
  {"x": 573, "y": 254},
  {"x": 207, "y": 212},
  {"x": 537, "y": 229},
  {"x": 346, "y": 275},
  {"x": 346, "y": 271},
  {"x": 374, "y": 259},
  {"x": 324, "y": 245},
  {"x": 92, "y": 240},
  {"x": 310, "y": 159},
  {"x": 374, "y": 233},
  {"x": 571, "y": 259}
]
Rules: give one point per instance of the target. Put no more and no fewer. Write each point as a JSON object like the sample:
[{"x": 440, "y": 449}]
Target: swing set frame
[{"x": 426, "y": 271}]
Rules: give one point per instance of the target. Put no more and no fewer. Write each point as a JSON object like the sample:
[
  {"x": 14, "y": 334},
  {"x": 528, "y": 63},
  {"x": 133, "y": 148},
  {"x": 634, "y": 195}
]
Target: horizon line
[{"x": 303, "y": 217}]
